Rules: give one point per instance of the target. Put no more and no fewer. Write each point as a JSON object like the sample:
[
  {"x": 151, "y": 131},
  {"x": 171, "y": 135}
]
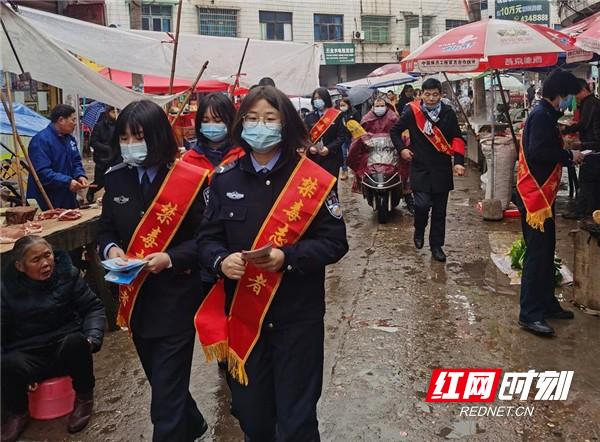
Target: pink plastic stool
[{"x": 52, "y": 398}]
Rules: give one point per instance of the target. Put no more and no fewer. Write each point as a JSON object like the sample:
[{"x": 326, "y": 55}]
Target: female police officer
[
  {"x": 152, "y": 209},
  {"x": 280, "y": 206}
]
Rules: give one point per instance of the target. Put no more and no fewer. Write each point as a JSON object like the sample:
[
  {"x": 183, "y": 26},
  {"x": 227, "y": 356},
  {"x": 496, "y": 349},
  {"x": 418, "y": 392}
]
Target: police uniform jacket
[
  {"x": 430, "y": 170},
  {"x": 168, "y": 300},
  {"x": 333, "y": 139},
  {"x": 240, "y": 200}
]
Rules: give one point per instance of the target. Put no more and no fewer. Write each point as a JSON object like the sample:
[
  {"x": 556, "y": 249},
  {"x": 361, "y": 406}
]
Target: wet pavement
[{"x": 394, "y": 315}]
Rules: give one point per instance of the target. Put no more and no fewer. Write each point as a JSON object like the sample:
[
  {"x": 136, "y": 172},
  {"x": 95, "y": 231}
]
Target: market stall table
[{"x": 71, "y": 235}]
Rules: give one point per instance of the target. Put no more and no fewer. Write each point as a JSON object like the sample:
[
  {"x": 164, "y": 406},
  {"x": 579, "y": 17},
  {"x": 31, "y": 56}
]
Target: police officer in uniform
[
  {"x": 430, "y": 170},
  {"x": 162, "y": 319},
  {"x": 285, "y": 367}
]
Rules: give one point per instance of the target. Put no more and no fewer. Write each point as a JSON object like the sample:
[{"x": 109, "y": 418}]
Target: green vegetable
[{"x": 517, "y": 256}]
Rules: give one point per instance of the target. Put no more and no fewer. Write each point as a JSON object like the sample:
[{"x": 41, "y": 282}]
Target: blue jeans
[{"x": 345, "y": 148}]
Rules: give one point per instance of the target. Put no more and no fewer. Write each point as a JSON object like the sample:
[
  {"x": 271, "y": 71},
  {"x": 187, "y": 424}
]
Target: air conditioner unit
[{"x": 358, "y": 35}]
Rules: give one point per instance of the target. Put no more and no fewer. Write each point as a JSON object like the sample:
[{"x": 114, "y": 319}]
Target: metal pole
[
  {"x": 462, "y": 110},
  {"x": 512, "y": 129},
  {"x": 174, "y": 61},
  {"x": 189, "y": 94},
  {"x": 239, "y": 71},
  {"x": 492, "y": 171}
]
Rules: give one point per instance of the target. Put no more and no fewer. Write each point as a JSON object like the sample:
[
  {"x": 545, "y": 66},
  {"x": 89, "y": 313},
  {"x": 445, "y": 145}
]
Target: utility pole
[
  {"x": 421, "y": 22},
  {"x": 135, "y": 22}
]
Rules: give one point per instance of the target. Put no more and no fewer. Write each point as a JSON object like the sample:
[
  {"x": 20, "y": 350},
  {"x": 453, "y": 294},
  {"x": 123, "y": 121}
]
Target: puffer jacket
[{"x": 40, "y": 313}]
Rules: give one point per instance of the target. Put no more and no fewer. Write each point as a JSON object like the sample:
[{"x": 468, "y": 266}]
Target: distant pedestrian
[{"x": 103, "y": 154}]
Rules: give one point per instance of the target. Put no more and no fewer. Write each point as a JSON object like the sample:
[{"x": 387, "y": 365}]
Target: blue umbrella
[{"x": 28, "y": 122}]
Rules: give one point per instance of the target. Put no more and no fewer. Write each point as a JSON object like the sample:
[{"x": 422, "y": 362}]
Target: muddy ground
[{"x": 426, "y": 315}]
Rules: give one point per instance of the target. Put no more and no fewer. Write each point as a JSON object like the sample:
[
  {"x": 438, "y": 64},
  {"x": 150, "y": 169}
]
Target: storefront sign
[
  {"x": 531, "y": 11},
  {"x": 339, "y": 53}
]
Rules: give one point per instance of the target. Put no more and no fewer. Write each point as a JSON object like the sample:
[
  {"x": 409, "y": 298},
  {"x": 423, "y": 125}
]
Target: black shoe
[
  {"x": 14, "y": 426},
  {"x": 410, "y": 203},
  {"x": 438, "y": 254},
  {"x": 419, "y": 240},
  {"x": 572, "y": 215},
  {"x": 538, "y": 327},
  {"x": 560, "y": 314},
  {"x": 79, "y": 418}
]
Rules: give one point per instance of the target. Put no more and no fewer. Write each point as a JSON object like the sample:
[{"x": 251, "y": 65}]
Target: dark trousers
[
  {"x": 537, "y": 279},
  {"x": 70, "y": 356},
  {"x": 167, "y": 362},
  {"x": 285, "y": 373},
  {"x": 588, "y": 197},
  {"x": 436, "y": 202}
]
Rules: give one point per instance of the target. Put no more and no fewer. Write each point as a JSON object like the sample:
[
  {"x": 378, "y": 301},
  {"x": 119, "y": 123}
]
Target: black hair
[
  {"x": 583, "y": 84},
  {"x": 266, "y": 81},
  {"x": 109, "y": 109},
  {"x": 432, "y": 83},
  {"x": 347, "y": 101},
  {"x": 22, "y": 245},
  {"x": 61, "y": 111},
  {"x": 560, "y": 83},
  {"x": 221, "y": 106},
  {"x": 293, "y": 131},
  {"x": 324, "y": 94},
  {"x": 391, "y": 92},
  {"x": 149, "y": 118}
]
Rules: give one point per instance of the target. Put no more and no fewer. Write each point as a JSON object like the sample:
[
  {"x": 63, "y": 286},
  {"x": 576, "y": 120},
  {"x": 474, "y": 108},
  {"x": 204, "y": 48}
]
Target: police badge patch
[
  {"x": 333, "y": 205},
  {"x": 205, "y": 194}
]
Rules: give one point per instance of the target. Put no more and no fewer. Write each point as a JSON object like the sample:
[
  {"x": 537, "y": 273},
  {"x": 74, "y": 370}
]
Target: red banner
[
  {"x": 437, "y": 139},
  {"x": 324, "y": 123}
]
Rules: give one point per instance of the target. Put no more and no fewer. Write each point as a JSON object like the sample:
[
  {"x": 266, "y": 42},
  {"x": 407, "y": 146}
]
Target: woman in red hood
[{"x": 379, "y": 120}]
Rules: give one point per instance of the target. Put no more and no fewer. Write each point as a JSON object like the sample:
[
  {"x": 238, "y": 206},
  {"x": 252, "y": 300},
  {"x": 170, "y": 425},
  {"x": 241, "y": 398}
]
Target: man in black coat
[
  {"x": 543, "y": 151},
  {"x": 51, "y": 324},
  {"x": 588, "y": 126},
  {"x": 104, "y": 155},
  {"x": 431, "y": 170}
]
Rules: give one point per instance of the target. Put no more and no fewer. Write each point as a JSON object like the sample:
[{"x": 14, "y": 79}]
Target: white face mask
[
  {"x": 134, "y": 154},
  {"x": 379, "y": 110}
]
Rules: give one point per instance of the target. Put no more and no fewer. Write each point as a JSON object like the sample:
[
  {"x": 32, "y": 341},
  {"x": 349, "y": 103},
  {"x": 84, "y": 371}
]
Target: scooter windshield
[{"x": 382, "y": 150}]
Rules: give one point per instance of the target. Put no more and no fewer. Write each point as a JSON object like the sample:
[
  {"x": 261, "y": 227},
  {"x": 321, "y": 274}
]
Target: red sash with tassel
[
  {"x": 324, "y": 123},
  {"x": 233, "y": 337},
  {"x": 538, "y": 200},
  {"x": 437, "y": 139},
  {"x": 159, "y": 225}
]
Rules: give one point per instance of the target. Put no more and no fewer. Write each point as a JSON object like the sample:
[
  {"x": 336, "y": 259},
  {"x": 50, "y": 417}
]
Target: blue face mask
[
  {"x": 319, "y": 104},
  {"x": 262, "y": 138},
  {"x": 379, "y": 110},
  {"x": 134, "y": 154},
  {"x": 214, "y": 131}
]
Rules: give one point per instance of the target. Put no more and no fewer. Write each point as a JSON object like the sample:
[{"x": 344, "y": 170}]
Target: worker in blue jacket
[{"x": 55, "y": 156}]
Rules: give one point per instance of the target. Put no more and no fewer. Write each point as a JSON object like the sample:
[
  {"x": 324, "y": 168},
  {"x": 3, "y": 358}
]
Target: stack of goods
[{"x": 500, "y": 185}]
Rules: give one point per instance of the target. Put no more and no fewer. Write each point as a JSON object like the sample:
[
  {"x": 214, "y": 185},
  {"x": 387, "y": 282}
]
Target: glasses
[{"x": 270, "y": 122}]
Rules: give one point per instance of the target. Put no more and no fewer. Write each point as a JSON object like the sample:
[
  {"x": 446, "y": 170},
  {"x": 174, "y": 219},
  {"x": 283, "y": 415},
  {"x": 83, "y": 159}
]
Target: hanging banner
[{"x": 530, "y": 11}]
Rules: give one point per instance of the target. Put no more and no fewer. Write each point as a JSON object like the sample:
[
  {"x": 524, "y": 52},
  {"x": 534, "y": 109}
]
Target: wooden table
[{"x": 72, "y": 235}]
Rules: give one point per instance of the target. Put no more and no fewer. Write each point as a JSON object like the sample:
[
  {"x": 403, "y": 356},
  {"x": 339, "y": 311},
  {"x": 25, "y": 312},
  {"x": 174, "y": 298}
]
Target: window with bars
[
  {"x": 412, "y": 21},
  {"x": 450, "y": 23},
  {"x": 329, "y": 27},
  {"x": 275, "y": 25},
  {"x": 157, "y": 18},
  {"x": 217, "y": 22},
  {"x": 377, "y": 28}
]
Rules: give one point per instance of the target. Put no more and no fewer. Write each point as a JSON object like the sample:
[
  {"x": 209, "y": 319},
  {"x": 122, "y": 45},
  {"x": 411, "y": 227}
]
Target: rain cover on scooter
[{"x": 383, "y": 156}]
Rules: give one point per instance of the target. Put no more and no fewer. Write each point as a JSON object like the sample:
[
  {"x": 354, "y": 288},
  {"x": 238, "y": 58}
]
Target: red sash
[
  {"x": 233, "y": 338},
  {"x": 324, "y": 123},
  {"x": 159, "y": 225},
  {"x": 200, "y": 160},
  {"x": 538, "y": 200},
  {"x": 437, "y": 139}
]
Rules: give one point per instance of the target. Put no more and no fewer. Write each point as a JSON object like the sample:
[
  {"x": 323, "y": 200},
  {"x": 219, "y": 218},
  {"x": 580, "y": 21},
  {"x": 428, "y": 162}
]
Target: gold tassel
[
  {"x": 216, "y": 351},
  {"x": 236, "y": 368},
  {"x": 537, "y": 219}
]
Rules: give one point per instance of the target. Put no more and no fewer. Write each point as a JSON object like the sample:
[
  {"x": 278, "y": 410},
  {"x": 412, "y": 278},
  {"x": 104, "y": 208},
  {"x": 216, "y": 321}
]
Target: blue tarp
[{"x": 28, "y": 122}]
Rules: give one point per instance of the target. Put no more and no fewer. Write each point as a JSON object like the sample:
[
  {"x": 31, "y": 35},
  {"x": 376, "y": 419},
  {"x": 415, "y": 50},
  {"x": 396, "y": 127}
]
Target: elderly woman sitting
[{"x": 51, "y": 324}]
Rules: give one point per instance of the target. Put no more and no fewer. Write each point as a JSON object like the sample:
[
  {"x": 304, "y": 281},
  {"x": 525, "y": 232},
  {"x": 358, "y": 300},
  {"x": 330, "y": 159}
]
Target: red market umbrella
[
  {"x": 587, "y": 33},
  {"x": 386, "y": 69},
  {"x": 160, "y": 85},
  {"x": 493, "y": 44}
]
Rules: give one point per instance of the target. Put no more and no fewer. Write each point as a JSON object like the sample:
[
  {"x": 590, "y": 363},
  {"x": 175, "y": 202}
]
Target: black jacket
[
  {"x": 231, "y": 225},
  {"x": 100, "y": 141},
  {"x": 542, "y": 142},
  {"x": 168, "y": 300},
  {"x": 332, "y": 139},
  {"x": 38, "y": 313},
  {"x": 589, "y": 123},
  {"x": 430, "y": 170}
]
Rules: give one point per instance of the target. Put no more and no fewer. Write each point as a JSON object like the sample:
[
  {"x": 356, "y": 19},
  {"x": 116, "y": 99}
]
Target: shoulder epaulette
[
  {"x": 115, "y": 167},
  {"x": 226, "y": 167}
]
